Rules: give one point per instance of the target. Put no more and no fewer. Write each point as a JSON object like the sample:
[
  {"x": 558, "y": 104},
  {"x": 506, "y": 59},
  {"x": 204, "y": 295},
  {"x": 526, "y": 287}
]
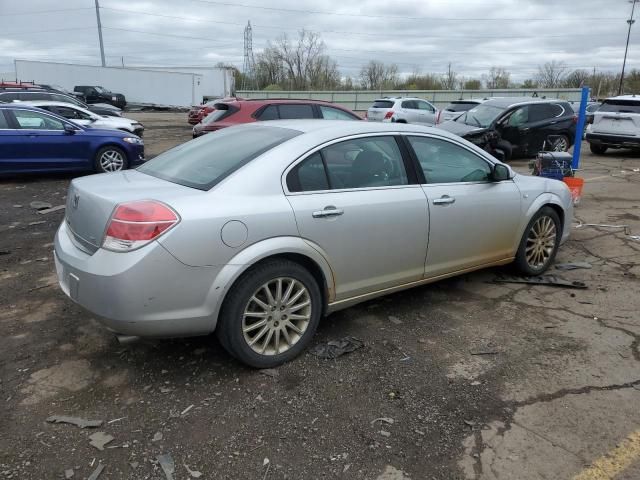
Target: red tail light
[
  {"x": 134, "y": 224},
  {"x": 388, "y": 115}
]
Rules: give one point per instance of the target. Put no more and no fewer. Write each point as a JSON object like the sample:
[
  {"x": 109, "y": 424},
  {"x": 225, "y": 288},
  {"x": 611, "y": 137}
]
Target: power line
[
  {"x": 44, "y": 11},
  {"x": 159, "y": 34}
]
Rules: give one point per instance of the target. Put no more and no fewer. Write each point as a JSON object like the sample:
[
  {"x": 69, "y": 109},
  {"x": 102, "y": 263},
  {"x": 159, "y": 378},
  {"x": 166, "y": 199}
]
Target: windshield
[
  {"x": 620, "y": 106},
  {"x": 481, "y": 116},
  {"x": 460, "y": 106},
  {"x": 205, "y": 161}
]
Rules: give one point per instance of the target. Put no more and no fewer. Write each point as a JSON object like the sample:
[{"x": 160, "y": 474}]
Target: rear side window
[
  {"x": 34, "y": 96},
  {"x": 4, "y": 124},
  {"x": 269, "y": 113},
  {"x": 203, "y": 162},
  {"x": 308, "y": 176},
  {"x": 620, "y": 106},
  {"x": 8, "y": 97},
  {"x": 296, "y": 111},
  {"x": 30, "y": 120},
  {"x": 545, "y": 111},
  {"x": 382, "y": 104}
]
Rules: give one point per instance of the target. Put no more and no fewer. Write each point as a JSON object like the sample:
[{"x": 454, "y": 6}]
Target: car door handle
[
  {"x": 329, "y": 211},
  {"x": 444, "y": 200}
]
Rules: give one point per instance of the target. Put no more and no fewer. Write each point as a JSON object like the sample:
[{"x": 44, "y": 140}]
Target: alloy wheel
[
  {"x": 111, "y": 161},
  {"x": 561, "y": 144},
  {"x": 541, "y": 242},
  {"x": 276, "y": 316}
]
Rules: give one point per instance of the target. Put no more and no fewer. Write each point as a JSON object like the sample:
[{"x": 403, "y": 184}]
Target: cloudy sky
[{"x": 415, "y": 34}]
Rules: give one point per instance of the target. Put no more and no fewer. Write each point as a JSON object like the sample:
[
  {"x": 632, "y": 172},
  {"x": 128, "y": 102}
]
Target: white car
[
  {"x": 616, "y": 124},
  {"x": 402, "y": 110},
  {"x": 84, "y": 117}
]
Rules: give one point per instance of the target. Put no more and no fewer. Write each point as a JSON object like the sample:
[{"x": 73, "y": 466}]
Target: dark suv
[
  {"x": 234, "y": 112},
  {"x": 517, "y": 127},
  {"x": 96, "y": 94}
]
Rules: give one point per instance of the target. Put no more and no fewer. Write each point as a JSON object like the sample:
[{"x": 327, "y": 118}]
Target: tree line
[{"x": 301, "y": 63}]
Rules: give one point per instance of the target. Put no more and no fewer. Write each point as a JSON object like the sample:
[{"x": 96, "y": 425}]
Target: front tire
[
  {"x": 271, "y": 314},
  {"x": 539, "y": 243},
  {"x": 110, "y": 159},
  {"x": 560, "y": 143},
  {"x": 597, "y": 149}
]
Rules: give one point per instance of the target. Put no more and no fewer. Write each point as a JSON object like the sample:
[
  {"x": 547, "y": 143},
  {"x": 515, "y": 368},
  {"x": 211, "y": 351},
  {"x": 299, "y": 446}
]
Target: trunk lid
[
  {"x": 627, "y": 124},
  {"x": 92, "y": 199}
]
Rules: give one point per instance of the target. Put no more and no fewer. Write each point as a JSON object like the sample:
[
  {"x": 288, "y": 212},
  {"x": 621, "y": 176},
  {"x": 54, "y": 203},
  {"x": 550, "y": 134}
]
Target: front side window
[
  {"x": 28, "y": 120},
  {"x": 358, "y": 163},
  {"x": 425, "y": 106},
  {"x": 410, "y": 104},
  {"x": 519, "y": 117},
  {"x": 330, "y": 113},
  {"x": 445, "y": 162},
  {"x": 295, "y": 111},
  {"x": 205, "y": 161}
]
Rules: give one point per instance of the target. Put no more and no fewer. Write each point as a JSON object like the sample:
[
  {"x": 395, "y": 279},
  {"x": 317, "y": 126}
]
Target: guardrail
[{"x": 360, "y": 100}]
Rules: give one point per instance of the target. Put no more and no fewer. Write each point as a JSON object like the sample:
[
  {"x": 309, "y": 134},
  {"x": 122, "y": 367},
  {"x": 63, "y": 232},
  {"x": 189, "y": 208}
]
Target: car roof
[
  {"x": 52, "y": 103},
  {"x": 514, "y": 101},
  {"x": 22, "y": 106},
  {"x": 389, "y": 99},
  {"x": 625, "y": 97}
]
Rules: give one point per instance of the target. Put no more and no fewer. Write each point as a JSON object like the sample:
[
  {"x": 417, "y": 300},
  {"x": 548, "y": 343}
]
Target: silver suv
[
  {"x": 402, "y": 110},
  {"x": 616, "y": 124}
]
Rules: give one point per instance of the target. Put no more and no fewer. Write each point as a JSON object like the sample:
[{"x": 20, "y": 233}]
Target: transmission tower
[{"x": 249, "y": 65}]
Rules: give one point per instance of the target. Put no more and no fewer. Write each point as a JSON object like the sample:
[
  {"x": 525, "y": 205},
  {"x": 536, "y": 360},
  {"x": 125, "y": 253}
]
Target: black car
[
  {"x": 517, "y": 127},
  {"x": 96, "y": 94},
  {"x": 8, "y": 95}
]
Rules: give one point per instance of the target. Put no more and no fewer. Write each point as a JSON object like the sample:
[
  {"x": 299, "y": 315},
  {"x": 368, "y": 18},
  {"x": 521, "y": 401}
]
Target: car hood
[
  {"x": 104, "y": 132},
  {"x": 113, "y": 122},
  {"x": 461, "y": 129}
]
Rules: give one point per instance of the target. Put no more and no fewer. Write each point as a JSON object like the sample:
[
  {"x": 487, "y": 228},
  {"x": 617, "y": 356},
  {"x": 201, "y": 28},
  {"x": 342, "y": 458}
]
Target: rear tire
[
  {"x": 560, "y": 143},
  {"x": 539, "y": 243},
  {"x": 110, "y": 159},
  {"x": 597, "y": 149},
  {"x": 271, "y": 314}
]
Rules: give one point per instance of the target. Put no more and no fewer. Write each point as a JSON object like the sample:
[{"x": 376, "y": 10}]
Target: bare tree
[
  {"x": 376, "y": 75},
  {"x": 269, "y": 68},
  {"x": 529, "y": 83},
  {"x": 497, "y": 77},
  {"x": 449, "y": 79},
  {"x": 576, "y": 79},
  {"x": 470, "y": 84},
  {"x": 551, "y": 74}
]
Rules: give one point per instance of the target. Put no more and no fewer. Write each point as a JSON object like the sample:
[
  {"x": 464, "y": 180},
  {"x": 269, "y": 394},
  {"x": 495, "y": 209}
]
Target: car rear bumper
[
  {"x": 614, "y": 141},
  {"x": 146, "y": 292}
]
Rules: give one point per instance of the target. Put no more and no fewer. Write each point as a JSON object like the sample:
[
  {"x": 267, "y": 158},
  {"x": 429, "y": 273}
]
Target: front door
[
  {"x": 473, "y": 221},
  {"x": 514, "y": 129},
  {"x": 354, "y": 201}
]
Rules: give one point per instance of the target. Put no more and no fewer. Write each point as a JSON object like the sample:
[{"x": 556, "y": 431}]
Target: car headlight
[{"x": 134, "y": 140}]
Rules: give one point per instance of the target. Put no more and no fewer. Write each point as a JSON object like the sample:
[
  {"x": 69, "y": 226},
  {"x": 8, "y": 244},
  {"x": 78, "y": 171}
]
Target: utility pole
[
  {"x": 631, "y": 21},
  {"x": 100, "y": 33}
]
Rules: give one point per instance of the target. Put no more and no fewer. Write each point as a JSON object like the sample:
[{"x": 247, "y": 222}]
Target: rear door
[
  {"x": 10, "y": 139},
  {"x": 618, "y": 117},
  {"x": 514, "y": 128},
  {"x": 355, "y": 200},
  {"x": 473, "y": 221}
]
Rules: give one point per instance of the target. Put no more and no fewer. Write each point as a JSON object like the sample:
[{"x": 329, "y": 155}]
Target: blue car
[{"x": 35, "y": 140}]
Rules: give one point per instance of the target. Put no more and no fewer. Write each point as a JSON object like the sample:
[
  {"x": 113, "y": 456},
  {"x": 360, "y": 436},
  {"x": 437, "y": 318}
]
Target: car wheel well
[
  {"x": 401, "y": 121},
  {"x": 558, "y": 209}
]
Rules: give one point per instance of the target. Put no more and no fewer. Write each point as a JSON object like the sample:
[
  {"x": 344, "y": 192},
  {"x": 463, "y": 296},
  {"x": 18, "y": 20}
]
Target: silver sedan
[{"x": 259, "y": 230}]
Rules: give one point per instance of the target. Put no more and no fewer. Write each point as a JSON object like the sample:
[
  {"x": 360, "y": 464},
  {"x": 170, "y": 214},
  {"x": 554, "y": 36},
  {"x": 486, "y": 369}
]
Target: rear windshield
[
  {"x": 460, "y": 106},
  {"x": 205, "y": 161},
  {"x": 382, "y": 104},
  {"x": 620, "y": 106}
]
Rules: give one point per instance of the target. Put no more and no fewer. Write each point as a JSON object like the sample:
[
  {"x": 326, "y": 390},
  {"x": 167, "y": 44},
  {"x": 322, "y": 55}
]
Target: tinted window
[
  {"x": 308, "y": 176},
  {"x": 3, "y": 121},
  {"x": 34, "y": 96},
  {"x": 30, "y": 120},
  {"x": 592, "y": 108},
  {"x": 364, "y": 162},
  {"x": 460, "y": 107},
  {"x": 445, "y": 162},
  {"x": 295, "y": 111},
  {"x": 71, "y": 113},
  {"x": 518, "y": 117},
  {"x": 203, "y": 162},
  {"x": 8, "y": 96},
  {"x": 330, "y": 113},
  {"x": 269, "y": 113},
  {"x": 382, "y": 104},
  {"x": 620, "y": 106},
  {"x": 410, "y": 104}
]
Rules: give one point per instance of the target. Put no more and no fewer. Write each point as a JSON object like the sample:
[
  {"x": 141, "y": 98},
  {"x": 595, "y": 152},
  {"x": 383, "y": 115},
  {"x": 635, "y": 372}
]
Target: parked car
[
  {"x": 455, "y": 109},
  {"x": 8, "y": 95},
  {"x": 266, "y": 227},
  {"x": 511, "y": 127},
  {"x": 96, "y": 94},
  {"x": 34, "y": 140},
  {"x": 402, "y": 110},
  {"x": 198, "y": 112},
  {"x": 83, "y": 116},
  {"x": 616, "y": 124},
  {"x": 234, "y": 112},
  {"x": 592, "y": 107}
]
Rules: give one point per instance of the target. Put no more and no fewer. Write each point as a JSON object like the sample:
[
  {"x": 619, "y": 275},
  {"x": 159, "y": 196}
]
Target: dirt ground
[{"x": 461, "y": 379}]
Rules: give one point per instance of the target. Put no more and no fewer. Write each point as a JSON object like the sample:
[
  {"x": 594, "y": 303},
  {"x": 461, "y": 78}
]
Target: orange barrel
[{"x": 575, "y": 184}]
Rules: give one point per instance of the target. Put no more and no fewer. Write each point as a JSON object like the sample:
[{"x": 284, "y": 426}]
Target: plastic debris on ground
[
  {"x": 335, "y": 348},
  {"x": 544, "y": 280},
  {"x": 168, "y": 466},
  {"x": 77, "y": 421},
  {"x": 573, "y": 265}
]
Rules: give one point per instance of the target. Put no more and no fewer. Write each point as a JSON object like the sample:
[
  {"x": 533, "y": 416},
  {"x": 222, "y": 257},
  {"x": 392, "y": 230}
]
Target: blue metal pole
[{"x": 577, "y": 144}]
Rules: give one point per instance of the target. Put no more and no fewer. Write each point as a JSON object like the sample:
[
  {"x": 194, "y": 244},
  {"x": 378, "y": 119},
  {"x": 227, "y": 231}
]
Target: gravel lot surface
[{"x": 461, "y": 379}]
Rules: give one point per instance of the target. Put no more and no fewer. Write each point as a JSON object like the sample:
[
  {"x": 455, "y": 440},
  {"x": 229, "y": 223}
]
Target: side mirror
[
  {"x": 69, "y": 129},
  {"x": 500, "y": 172}
]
